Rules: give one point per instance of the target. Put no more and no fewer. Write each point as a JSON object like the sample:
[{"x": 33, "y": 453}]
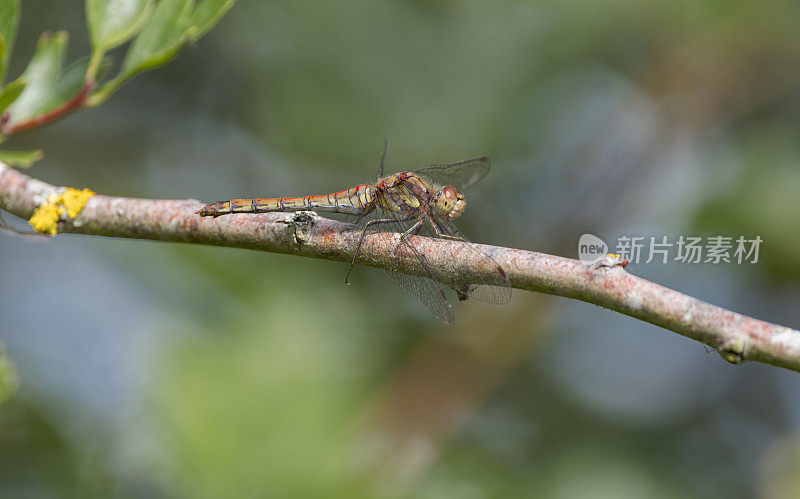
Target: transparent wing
[
  {"x": 496, "y": 289},
  {"x": 460, "y": 174},
  {"x": 425, "y": 289}
]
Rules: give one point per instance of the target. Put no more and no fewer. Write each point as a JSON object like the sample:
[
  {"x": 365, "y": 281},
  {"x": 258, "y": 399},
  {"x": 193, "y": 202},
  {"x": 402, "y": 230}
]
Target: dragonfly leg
[
  {"x": 442, "y": 234},
  {"x": 411, "y": 231},
  {"x": 361, "y": 240}
]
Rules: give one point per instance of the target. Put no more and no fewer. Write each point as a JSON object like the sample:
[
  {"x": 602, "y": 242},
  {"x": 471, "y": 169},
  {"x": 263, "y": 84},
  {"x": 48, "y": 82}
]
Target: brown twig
[
  {"x": 71, "y": 105},
  {"x": 736, "y": 337}
]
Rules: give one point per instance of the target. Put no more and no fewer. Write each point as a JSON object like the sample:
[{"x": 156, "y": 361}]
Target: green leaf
[
  {"x": 206, "y": 14},
  {"x": 71, "y": 80},
  {"x": 10, "y": 92},
  {"x": 113, "y": 22},
  {"x": 41, "y": 74},
  {"x": 9, "y": 15},
  {"x": 160, "y": 39},
  {"x": 20, "y": 159},
  {"x": 174, "y": 24},
  {"x": 47, "y": 85}
]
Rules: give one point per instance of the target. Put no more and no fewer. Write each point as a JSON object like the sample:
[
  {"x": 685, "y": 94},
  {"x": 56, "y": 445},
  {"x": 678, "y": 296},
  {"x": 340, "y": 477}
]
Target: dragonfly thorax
[{"x": 449, "y": 202}]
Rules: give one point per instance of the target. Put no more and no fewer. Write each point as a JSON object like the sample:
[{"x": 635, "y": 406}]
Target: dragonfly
[{"x": 423, "y": 201}]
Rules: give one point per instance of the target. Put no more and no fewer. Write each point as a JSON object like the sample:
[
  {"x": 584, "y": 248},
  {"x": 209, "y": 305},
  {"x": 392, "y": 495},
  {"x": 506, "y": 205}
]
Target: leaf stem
[
  {"x": 104, "y": 92},
  {"x": 94, "y": 65}
]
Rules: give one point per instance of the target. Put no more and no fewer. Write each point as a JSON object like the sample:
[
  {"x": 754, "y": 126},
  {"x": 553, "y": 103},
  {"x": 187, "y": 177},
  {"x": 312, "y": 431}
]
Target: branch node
[
  {"x": 301, "y": 222},
  {"x": 611, "y": 260},
  {"x": 732, "y": 350}
]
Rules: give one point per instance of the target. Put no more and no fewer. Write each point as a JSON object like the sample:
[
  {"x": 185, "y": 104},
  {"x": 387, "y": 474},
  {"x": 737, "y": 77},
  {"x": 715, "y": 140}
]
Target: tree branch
[{"x": 736, "y": 337}]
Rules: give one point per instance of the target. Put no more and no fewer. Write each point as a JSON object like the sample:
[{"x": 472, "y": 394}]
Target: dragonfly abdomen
[{"x": 352, "y": 201}]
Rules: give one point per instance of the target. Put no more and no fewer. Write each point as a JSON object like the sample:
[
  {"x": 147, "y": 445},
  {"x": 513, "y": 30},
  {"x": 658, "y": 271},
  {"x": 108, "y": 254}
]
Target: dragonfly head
[{"x": 449, "y": 202}]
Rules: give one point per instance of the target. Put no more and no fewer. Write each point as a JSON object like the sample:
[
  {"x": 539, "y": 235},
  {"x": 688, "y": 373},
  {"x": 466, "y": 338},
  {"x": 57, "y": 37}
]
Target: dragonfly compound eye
[{"x": 449, "y": 202}]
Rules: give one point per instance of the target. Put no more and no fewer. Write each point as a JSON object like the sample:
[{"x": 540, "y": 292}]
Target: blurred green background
[{"x": 151, "y": 369}]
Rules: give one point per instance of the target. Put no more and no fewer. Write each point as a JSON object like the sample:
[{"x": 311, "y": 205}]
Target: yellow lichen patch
[
  {"x": 70, "y": 202},
  {"x": 45, "y": 218},
  {"x": 74, "y": 200}
]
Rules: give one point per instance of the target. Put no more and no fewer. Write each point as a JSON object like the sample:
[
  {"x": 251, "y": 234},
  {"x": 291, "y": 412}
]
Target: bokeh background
[{"x": 151, "y": 369}]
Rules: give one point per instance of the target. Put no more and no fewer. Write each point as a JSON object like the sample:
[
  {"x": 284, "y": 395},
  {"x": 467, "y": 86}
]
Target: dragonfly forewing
[
  {"x": 425, "y": 289},
  {"x": 460, "y": 174},
  {"x": 495, "y": 288}
]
